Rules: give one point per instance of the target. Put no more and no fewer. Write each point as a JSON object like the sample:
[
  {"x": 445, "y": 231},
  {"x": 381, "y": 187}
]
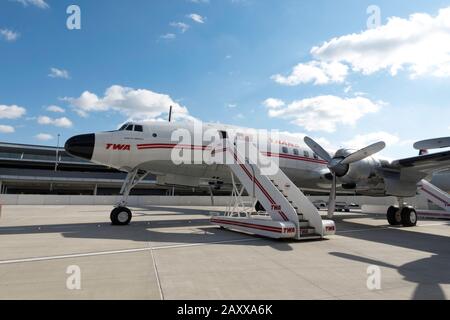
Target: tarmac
[{"x": 73, "y": 252}]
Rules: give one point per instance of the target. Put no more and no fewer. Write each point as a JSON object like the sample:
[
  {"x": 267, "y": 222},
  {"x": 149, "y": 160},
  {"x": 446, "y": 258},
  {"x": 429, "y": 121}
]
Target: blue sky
[{"x": 225, "y": 69}]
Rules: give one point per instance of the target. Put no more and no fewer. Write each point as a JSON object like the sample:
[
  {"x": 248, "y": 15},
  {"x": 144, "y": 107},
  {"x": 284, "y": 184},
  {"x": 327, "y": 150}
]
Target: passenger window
[
  {"x": 138, "y": 128},
  {"x": 306, "y": 154},
  {"x": 316, "y": 157},
  {"x": 296, "y": 152},
  {"x": 285, "y": 150},
  {"x": 130, "y": 128}
]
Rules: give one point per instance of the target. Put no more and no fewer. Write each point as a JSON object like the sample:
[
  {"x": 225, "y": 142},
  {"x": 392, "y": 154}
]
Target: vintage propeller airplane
[{"x": 143, "y": 148}]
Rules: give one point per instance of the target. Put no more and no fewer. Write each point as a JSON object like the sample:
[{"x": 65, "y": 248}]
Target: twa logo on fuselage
[{"x": 118, "y": 147}]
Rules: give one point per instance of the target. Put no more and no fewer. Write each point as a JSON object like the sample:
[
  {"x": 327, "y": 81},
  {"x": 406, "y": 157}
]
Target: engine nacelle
[{"x": 361, "y": 170}]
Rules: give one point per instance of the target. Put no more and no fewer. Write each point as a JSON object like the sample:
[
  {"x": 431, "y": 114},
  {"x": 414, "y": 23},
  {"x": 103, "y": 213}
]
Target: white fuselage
[{"x": 153, "y": 150}]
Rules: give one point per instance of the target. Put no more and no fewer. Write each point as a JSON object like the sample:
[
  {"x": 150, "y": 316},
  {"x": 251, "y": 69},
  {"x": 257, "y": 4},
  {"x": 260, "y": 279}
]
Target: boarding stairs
[
  {"x": 288, "y": 212},
  {"x": 434, "y": 194}
]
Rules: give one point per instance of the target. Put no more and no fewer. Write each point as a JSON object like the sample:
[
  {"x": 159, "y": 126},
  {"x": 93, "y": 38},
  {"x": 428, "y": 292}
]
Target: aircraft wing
[
  {"x": 401, "y": 176},
  {"x": 426, "y": 163}
]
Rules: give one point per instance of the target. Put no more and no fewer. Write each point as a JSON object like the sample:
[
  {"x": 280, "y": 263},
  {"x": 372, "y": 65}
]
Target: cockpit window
[{"x": 132, "y": 127}]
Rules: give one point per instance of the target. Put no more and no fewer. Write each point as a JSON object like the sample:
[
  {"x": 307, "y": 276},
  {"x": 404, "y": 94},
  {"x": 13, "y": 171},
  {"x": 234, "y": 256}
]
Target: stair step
[
  {"x": 312, "y": 236},
  {"x": 303, "y": 223},
  {"x": 307, "y": 231}
]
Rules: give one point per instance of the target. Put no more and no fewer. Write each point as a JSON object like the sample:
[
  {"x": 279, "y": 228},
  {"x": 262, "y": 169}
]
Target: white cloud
[
  {"x": 37, "y": 3},
  {"x": 363, "y": 140},
  {"x": 57, "y": 122},
  {"x": 325, "y": 113},
  {"x": 137, "y": 104},
  {"x": 199, "y": 1},
  {"x": 231, "y": 105},
  {"x": 419, "y": 44},
  {"x": 168, "y": 36},
  {"x": 273, "y": 103},
  {"x": 314, "y": 71},
  {"x": 59, "y": 73},
  {"x": 55, "y": 109},
  {"x": 197, "y": 18},
  {"x": 9, "y": 35},
  {"x": 183, "y": 27},
  {"x": 11, "y": 112},
  {"x": 44, "y": 137},
  {"x": 239, "y": 116},
  {"x": 6, "y": 129}
]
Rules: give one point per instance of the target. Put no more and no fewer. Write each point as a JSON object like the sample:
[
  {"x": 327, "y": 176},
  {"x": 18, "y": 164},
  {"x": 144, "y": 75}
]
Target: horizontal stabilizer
[{"x": 436, "y": 143}]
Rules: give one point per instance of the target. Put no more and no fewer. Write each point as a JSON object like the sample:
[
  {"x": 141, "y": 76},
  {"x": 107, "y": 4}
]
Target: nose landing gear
[{"x": 121, "y": 215}]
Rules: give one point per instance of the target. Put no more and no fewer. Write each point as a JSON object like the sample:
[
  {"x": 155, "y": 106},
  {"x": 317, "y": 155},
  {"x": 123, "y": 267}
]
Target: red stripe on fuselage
[{"x": 193, "y": 147}]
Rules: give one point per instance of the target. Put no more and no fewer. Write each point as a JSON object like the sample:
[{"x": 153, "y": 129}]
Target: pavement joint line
[
  {"x": 155, "y": 267},
  {"x": 103, "y": 253}
]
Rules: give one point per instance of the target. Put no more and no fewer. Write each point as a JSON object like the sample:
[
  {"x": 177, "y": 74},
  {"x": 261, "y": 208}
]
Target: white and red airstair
[
  {"x": 288, "y": 213},
  {"x": 437, "y": 196}
]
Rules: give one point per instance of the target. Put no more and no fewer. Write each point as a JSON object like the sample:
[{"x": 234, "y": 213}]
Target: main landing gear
[
  {"x": 121, "y": 215},
  {"x": 403, "y": 215}
]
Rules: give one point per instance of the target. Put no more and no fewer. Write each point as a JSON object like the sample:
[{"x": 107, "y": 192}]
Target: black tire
[
  {"x": 393, "y": 216},
  {"x": 409, "y": 217},
  {"x": 259, "y": 207},
  {"x": 347, "y": 210},
  {"x": 121, "y": 216}
]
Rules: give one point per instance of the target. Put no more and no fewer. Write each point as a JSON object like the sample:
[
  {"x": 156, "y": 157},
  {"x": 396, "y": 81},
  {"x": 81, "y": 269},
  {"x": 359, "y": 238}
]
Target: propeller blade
[
  {"x": 364, "y": 153},
  {"x": 332, "y": 199},
  {"x": 321, "y": 152},
  {"x": 432, "y": 144}
]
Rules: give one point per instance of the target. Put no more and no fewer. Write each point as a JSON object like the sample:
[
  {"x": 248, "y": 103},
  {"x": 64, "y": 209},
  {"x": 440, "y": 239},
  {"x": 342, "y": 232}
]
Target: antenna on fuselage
[{"x": 170, "y": 114}]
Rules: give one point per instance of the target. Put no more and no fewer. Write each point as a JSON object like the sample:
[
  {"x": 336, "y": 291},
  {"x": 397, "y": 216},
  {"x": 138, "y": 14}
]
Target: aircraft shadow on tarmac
[
  {"x": 167, "y": 232},
  {"x": 428, "y": 273}
]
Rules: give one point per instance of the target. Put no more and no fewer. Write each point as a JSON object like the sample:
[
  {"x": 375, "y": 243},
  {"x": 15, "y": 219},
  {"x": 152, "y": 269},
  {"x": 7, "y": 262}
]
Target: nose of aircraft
[{"x": 81, "y": 146}]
